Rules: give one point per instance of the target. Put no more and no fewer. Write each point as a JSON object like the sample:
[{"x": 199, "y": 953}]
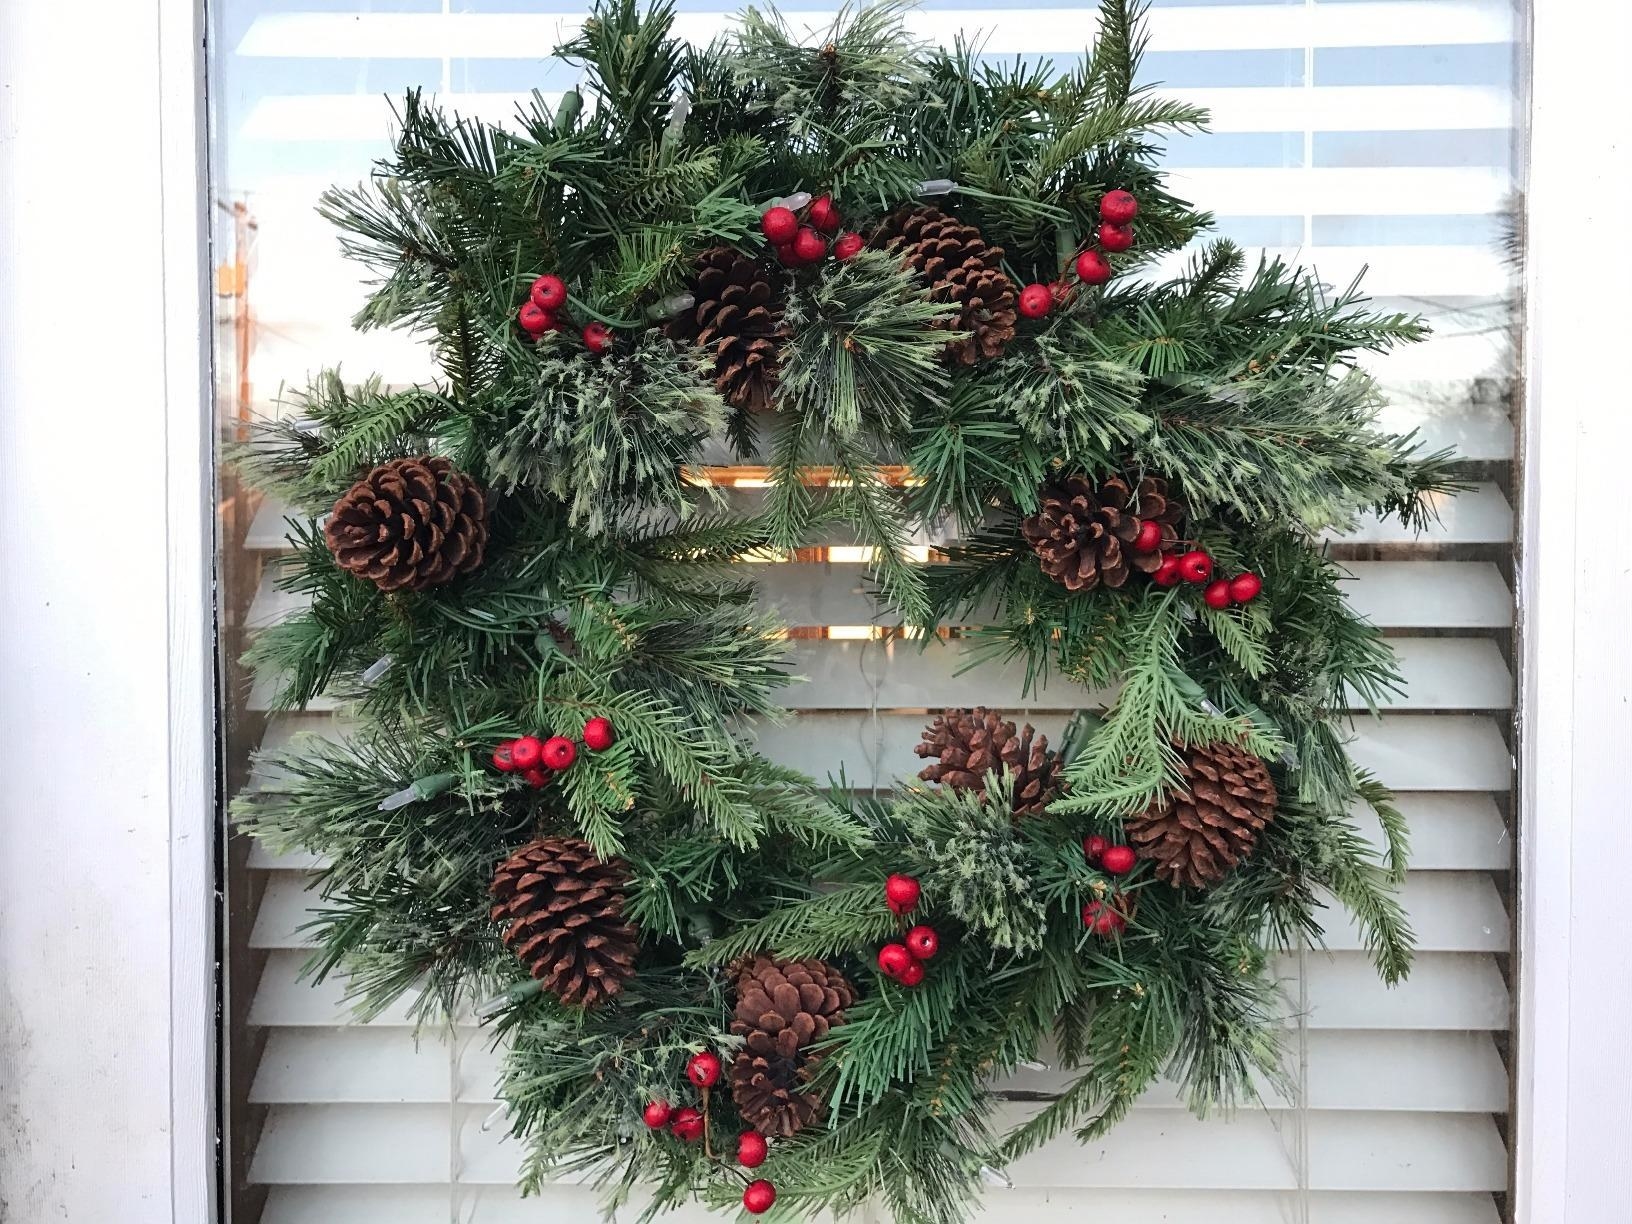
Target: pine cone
[
  {"x": 783, "y": 1007},
  {"x": 958, "y": 266},
  {"x": 1211, "y": 822},
  {"x": 563, "y": 913},
  {"x": 738, "y": 318},
  {"x": 411, "y": 523},
  {"x": 971, "y": 744},
  {"x": 1084, "y": 535}
]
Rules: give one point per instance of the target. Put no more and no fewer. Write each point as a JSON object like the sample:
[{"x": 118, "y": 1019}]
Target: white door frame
[
  {"x": 1573, "y": 1123},
  {"x": 107, "y": 727},
  {"x": 107, "y": 714}
]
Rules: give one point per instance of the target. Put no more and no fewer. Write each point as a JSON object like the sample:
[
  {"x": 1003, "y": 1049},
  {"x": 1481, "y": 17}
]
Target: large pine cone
[
  {"x": 562, "y": 910},
  {"x": 1084, "y": 536},
  {"x": 738, "y": 319},
  {"x": 411, "y": 523},
  {"x": 783, "y": 1008},
  {"x": 969, "y": 745},
  {"x": 1209, "y": 823},
  {"x": 958, "y": 266}
]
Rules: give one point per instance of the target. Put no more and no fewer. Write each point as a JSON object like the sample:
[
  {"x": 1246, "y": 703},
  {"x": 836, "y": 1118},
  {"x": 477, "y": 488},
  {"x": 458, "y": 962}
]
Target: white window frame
[
  {"x": 1574, "y": 1067},
  {"x": 107, "y": 710},
  {"x": 107, "y": 706}
]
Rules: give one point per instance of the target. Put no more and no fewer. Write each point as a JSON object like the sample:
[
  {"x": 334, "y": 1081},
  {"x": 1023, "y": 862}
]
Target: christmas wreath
[{"x": 919, "y": 288}]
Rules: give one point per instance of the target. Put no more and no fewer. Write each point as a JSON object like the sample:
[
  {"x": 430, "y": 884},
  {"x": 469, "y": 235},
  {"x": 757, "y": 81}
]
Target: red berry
[
  {"x": 549, "y": 292},
  {"x": 559, "y": 752},
  {"x": 598, "y": 736},
  {"x": 758, "y": 1197},
  {"x": 534, "y": 319},
  {"x": 1167, "y": 573},
  {"x": 901, "y": 894},
  {"x": 597, "y": 337},
  {"x": 1116, "y": 237},
  {"x": 779, "y": 225},
  {"x": 922, "y": 942},
  {"x": 1217, "y": 594},
  {"x": 1093, "y": 848},
  {"x": 1118, "y": 207},
  {"x": 751, "y": 1149},
  {"x": 1061, "y": 292},
  {"x": 502, "y": 760},
  {"x": 527, "y": 752},
  {"x": 847, "y": 246},
  {"x": 1093, "y": 268},
  {"x": 912, "y": 974},
  {"x": 824, "y": 214},
  {"x": 687, "y": 1125},
  {"x": 1195, "y": 566},
  {"x": 1102, "y": 919},
  {"x": 786, "y": 253},
  {"x": 1036, "y": 301},
  {"x": 1118, "y": 860},
  {"x": 1244, "y": 588},
  {"x": 893, "y": 959},
  {"x": 704, "y": 1069},
  {"x": 809, "y": 246},
  {"x": 537, "y": 777},
  {"x": 1149, "y": 538},
  {"x": 657, "y": 1114}
]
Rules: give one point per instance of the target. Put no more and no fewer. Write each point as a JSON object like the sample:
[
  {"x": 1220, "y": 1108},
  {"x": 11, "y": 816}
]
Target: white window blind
[{"x": 1347, "y": 134}]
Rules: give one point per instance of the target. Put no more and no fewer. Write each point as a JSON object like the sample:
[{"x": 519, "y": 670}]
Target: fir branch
[
  {"x": 600, "y": 430},
  {"x": 825, "y": 925}
]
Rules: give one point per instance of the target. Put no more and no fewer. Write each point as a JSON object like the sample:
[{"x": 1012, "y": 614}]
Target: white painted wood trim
[
  {"x": 190, "y": 516},
  {"x": 1574, "y": 1068},
  {"x": 107, "y": 745}
]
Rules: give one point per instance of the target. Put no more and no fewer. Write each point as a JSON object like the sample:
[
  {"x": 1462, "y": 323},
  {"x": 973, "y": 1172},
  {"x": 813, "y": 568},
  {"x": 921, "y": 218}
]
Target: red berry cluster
[
  {"x": 800, "y": 244},
  {"x": 542, "y": 312},
  {"x": 539, "y": 760},
  {"x": 1196, "y": 567},
  {"x": 1103, "y": 918},
  {"x": 1107, "y": 918},
  {"x": 904, "y": 961},
  {"x": 691, "y": 1124},
  {"x": 1115, "y": 233}
]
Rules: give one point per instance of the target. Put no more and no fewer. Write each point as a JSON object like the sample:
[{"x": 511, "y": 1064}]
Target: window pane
[{"x": 1373, "y": 136}]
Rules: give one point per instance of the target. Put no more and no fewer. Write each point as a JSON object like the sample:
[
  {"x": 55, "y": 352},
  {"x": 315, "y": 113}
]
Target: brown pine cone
[
  {"x": 969, "y": 745},
  {"x": 783, "y": 1008},
  {"x": 958, "y": 266},
  {"x": 737, "y": 318},
  {"x": 410, "y": 523},
  {"x": 1084, "y": 536},
  {"x": 1211, "y": 821},
  {"x": 562, "y": 911}
]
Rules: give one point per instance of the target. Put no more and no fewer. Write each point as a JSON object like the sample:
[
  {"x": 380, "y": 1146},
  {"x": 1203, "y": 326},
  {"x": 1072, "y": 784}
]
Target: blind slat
[
  {"x": 1450, "y": 912},
  {"x": 1446, "y": 991},
  {"x": 1449, "y": 832},
  {"x": 1379, "y": 1151},
  {"x": 1427, "y": 1072},
  {"x": 566, "y": 1205},
  {"x": 1018, "y": 29}
]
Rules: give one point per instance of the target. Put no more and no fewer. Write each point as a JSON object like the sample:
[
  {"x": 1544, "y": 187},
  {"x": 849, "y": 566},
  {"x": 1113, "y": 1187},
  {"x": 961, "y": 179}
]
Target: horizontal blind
[{"x": 1369, "y": 134}]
